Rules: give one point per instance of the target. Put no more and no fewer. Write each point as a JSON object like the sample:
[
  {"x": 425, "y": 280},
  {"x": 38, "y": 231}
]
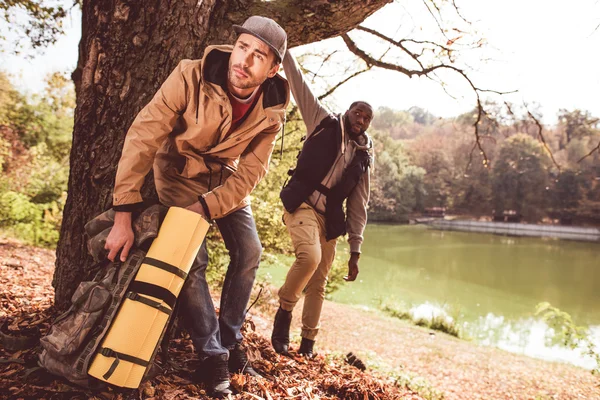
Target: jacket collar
[{"x": 215, "y": 64}]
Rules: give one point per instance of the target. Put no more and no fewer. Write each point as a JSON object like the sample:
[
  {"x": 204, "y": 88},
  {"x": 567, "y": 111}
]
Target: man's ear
[{"x": 273, "y": 70}]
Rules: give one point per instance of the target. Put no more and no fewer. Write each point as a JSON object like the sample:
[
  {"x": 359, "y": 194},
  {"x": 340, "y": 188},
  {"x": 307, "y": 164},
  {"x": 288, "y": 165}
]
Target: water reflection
[
  {"x": 527, "y": 336},
  {"x": 489, "y": 284}
]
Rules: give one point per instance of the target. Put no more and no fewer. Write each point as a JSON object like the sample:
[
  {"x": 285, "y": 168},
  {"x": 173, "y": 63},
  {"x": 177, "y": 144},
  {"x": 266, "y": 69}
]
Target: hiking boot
[
  {"x": 214, "y": 373},
  {"x": 280, "y": 338},
  {"x": 306, "y": 348},
  {"x": 239, "y": 364}
]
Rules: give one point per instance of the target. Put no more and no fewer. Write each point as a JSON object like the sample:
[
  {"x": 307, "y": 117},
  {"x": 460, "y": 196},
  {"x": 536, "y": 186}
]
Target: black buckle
[
  {"x": 132, "y": 295},
  {"x": 106, "y": 352}
]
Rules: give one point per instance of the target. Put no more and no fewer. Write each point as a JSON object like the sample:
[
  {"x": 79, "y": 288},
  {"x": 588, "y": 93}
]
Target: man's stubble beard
[
  {"x": 250, "y": 82},
  {"x": 348, "y": 127}
]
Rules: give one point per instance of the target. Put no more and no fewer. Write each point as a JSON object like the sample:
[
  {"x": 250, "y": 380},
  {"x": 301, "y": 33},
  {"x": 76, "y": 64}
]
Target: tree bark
[{"x": 126, "y": 51}]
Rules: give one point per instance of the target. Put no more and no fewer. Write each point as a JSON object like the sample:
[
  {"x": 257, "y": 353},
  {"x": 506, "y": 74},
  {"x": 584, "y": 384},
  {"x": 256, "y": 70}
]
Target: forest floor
[
  {"x": 403, "y": 361},
  {"x": 26, "y": 313}
]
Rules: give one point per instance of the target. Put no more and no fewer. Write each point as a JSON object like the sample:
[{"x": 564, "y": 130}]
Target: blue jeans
[{"x": 212, "y": 336}]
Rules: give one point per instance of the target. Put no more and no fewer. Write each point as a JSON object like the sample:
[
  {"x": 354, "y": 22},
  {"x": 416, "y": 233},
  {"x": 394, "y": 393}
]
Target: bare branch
[
  {"x": 597, "y": 148},
  {"x": 541, "y": 136},
  {"x": 442, "y": 85},
  {"x": 437, "y": 8},
  {"x": 424, "y": 70},
  {"x": 435, "y": 18},
  {"x": 333, "y": 88},
  {"x": 480, "y": 112},
  {"x": 459, "y": 14},
  {"x": 423, "y": 42},
  {"x": 394, "y": 42},
  {"x": 511, "y": 113},
  {"x": 470, "y": 161},
  {"x": 323, "y": 63},
  {"x": 382, "y": 64}
]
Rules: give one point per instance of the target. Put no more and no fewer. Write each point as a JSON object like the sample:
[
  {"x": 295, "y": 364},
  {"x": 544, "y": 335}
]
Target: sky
[{"x": 547, "y": 50}]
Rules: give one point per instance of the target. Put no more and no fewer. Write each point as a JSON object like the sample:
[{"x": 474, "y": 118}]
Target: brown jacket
[{"x": 183, "y": 132}]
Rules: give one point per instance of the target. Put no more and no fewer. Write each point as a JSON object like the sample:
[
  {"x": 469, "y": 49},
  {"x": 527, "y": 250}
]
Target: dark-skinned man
[
  {"x": 208, "y": 133},
  {"x": 333, "y": 166}
]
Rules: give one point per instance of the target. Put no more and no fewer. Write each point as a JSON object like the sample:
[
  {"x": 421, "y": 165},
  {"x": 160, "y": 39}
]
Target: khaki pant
[{"x": 314, "y": 257}]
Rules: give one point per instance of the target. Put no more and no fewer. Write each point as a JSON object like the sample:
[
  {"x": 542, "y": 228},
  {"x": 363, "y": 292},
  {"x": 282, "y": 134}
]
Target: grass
[
  {"x": 442, "y": 324},
  {"x": 439, "y": 323},
  {"x": 417, "y": 384}
]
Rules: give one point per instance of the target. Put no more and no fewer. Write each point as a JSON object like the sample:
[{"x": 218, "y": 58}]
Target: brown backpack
[{"x": 75, "y": 335}]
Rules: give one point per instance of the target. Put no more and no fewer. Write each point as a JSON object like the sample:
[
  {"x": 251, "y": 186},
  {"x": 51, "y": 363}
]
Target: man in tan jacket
[{"x": 209, "y": 133}]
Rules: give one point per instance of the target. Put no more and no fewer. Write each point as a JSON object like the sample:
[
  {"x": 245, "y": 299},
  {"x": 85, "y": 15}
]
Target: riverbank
[
  {"x": 397, "y": 264},
  {"x": 438, "y": 365}
]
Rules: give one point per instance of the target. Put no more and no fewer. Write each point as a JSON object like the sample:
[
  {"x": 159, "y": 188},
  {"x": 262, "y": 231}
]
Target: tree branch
[
  {"x": 542, "y": 139},
  {"x": 408, "y": 72},
  {"x": 394, "y": 42},
  {"x": 597, "y": 148},
  {"x": 434, "y": 17},
  {"x": 323, "y": 63},
  {"x": 309, "y": 21},
  {"x": 458, "y": 12},
  {"x": 480, "y": 112},
  {"x": 427, "y": 42},
  {"x": 425, "y": 72},
  {"x": 333, "y": 88}
]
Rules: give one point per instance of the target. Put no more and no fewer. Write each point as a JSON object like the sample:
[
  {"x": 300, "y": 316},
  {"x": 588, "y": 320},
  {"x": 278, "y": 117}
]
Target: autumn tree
[
  {"x": 566, "y": 195},
  {"x": 397, "y": 187},
  {"x": 33, "y": 24},
  {"x": 421, "y": 116},
  {"x": 35, "y": 141},
  {"x": 392, "y": 121},
  {"x": 520, "y": 178},
  {"x": 126, "y": 51},
  {"x": 577, "y": 124}
]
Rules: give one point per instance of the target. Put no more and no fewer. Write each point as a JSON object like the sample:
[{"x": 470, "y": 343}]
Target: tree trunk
[{"x": 127, "y": 50}]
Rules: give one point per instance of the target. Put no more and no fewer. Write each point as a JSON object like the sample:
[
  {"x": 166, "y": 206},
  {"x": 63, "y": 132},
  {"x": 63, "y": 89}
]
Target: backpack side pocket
[{"x": 69, "y": 332}]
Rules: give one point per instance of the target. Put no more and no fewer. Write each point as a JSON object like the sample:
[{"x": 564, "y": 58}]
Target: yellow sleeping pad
[{"x": 134, "y": 335}]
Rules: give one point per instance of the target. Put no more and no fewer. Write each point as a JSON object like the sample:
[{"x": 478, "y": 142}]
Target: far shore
[{"x": 589, "y": 233}]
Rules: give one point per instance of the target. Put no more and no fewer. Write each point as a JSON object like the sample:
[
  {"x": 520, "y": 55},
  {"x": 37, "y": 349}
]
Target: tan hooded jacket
[{"x": 183, "y": 132}]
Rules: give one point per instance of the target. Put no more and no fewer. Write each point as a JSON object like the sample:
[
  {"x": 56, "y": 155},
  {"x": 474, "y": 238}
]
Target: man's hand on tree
[
  {"x": 120, "y": 237},
  {"x": 352, "y": 267}
]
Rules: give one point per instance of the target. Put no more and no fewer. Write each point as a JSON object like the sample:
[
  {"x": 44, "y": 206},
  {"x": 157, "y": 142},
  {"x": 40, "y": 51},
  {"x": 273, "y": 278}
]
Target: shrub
[{"x": 565, "y": 332}]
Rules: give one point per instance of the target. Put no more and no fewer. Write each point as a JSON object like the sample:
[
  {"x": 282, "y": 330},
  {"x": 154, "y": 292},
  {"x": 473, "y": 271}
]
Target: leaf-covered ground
[
  {"x": 26, "y": 313},
  {"x": 436, "y": 363}
]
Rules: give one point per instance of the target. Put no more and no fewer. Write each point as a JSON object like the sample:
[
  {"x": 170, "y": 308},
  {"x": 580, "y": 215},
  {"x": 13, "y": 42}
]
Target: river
[{"x": 489, "y": 285}]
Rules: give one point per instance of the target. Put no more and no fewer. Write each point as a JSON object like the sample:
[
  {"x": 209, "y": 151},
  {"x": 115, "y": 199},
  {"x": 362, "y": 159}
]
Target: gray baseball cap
[{"x": 266, "y": 30}]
